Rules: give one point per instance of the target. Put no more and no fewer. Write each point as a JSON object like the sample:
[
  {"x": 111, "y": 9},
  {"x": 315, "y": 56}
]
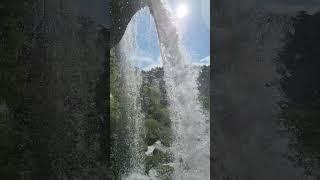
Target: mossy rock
[{"x": 157, "y": 159}]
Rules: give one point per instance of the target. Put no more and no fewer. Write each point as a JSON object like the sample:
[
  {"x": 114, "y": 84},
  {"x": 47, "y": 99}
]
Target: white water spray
[
  {"x": 131, "y": 84},
  {"x": 189, "y": 123},
  {"x": 191, "y": 147}
]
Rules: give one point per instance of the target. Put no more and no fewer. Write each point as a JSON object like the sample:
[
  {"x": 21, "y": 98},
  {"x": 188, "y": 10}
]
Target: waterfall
[
  {"x": 131, "y": 83},
  {"x": 189, "y": 123},
  {"x": 191, "y": 147}
]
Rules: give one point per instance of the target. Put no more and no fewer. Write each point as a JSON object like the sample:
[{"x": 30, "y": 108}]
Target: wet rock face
[
  {"x": 122, "y": 11},
  {"x": 61, "y": 113},
  {"x": 69, "y": 93},
  {"x": 247, "y": 143}
]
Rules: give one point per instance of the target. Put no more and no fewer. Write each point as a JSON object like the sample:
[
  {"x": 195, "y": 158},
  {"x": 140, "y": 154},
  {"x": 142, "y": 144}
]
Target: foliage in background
[
  {"x": 204, "y": 86},
  {"x": 155, "y": 107},
  {"x": 157, "y": 124},
  {"x": 119, "y": 147}
]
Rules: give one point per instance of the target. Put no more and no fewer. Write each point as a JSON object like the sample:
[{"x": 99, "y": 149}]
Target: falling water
[
  {"x": 191, "y": 126},
  {"x": 131, "y": 82},
  {"x": 189, "y": 123}
]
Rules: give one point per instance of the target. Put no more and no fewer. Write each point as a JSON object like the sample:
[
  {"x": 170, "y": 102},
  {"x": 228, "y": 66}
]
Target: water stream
[
  {"x": 190, "y": 123},
  {"x": 131, "y": 83},
  {"x": 191, "y": 147}
]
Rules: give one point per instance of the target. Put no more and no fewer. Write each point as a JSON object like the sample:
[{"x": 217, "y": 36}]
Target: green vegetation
[
  {"x": 114, "y": 87},
  {"x": 119, "y": 147},
  {"x": 203, "y": 87},
  {"x": 157, "y": 122},
  {"x": 155, "y": 107},
  {"x": 156, "y": 162}
]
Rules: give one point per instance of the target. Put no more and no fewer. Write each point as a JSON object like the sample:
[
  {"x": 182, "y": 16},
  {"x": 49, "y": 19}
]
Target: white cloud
[
  {"x": 138, "y": 59},
  {"x": 144, "y": 61},
  {"x": 203, "y": 61},
  {"x": 157, "y": 63}
]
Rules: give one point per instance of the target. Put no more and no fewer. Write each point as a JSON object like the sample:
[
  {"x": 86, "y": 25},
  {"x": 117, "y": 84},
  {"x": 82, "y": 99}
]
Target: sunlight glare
[{"x": 182, "y": 10}]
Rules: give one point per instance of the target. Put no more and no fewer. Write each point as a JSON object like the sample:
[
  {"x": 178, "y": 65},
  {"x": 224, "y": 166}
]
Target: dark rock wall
[
  {"x": 57, "y": 116},
  {"x": 62, "y": 112},
  {"x": 61, "y": 115},
  {"x": 122, "y": 11},
  {"x": 247, "y": 142},
  {"x": 68, "y": 67}
]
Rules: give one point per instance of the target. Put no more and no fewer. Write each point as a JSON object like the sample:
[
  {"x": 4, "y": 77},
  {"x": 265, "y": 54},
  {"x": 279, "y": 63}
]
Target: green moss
[
  {"x": 157, "y": 160},
  {"x": 204, "y": 100},
  {"x": 118, "y": 148},
  {"x": 152, "y": 131}
]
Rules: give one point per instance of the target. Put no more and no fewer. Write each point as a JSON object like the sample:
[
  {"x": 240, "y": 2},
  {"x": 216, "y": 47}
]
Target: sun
[{"x": 182, "y": 10}]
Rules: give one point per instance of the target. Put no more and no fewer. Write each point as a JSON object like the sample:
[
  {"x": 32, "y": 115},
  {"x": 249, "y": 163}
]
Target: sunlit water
[
  {"x": 131, "y": 83},
  {"x": 191, "y": 147},
  {"x": 189, "y": 123}
]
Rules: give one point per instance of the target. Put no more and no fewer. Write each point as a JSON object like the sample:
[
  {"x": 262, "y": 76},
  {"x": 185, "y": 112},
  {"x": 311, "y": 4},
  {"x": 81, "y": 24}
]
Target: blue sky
[{"x": 194, "y": 28}]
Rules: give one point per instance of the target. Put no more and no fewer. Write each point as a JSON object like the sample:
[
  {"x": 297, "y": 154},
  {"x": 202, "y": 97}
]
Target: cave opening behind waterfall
[
  {"x": 146, "y": 141},
  {"x": 139, "y": 106}
]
